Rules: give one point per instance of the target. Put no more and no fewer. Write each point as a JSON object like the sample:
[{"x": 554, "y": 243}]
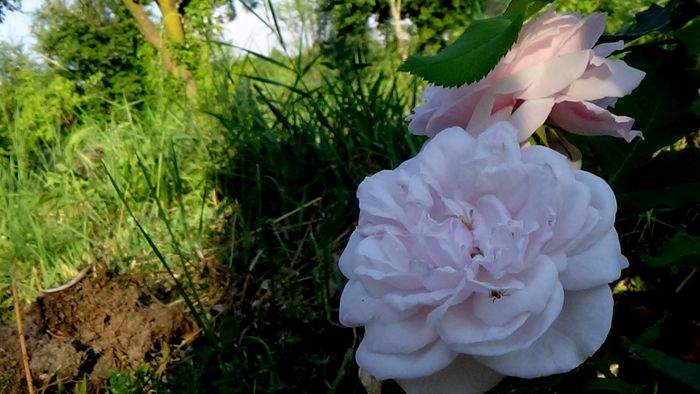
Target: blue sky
[{"x": 16, "y": 26}]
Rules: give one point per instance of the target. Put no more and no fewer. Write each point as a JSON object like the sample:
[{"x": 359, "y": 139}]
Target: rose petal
[
  {"x": 604, "y": 204},
  {"x": 444, "y": 244},
  {"x": 463, "y": 375},
  {"x": 548, "y": 159},
  {"x": 377, "y": 195},
  {"x": 377, "y": 282},
  {"x": 533, "y": 328},
  {"x": 348, "y": 259},
  {"x": 356, "y": 306},
  {"x": 382, "y": 252},
  {"x": 581, "y": 117},
  {"x": 461, "y": 327},
  {"x": 570, "y": 218},
  {"x": 423, "y": 362},
  {"x": 499, "y": 140},
  {"x": 508, "y": 181},
  {"x": 575, "y": 335},
  {"x": 608, "y": 48},
  {"x": 442, "y": 155},
  {"x": 530, "y": 116},
  {"x": 544, "y": 79},
  {"x": 586, "y": 34},
  {"x": 540, "y": 282},
  {"x": 536, "y": 82},
  {"x": 456, "y": 112},
  {"x": 539, "y": 40},
  {"x": 411, "y": 300},
  {"x": 606, "y": 102},
  {"x": 402, "y": 336},
  {"x": 599, "y": 265},
  {"x": 605, "y": 78}
]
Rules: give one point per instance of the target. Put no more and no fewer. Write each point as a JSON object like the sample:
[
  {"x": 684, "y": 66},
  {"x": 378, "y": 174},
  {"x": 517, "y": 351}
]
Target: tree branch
[
  {"x": 395, "y": 8},
  {"x": 172, "y": 21},
  {"x": 147, "y": 28},
  {"x": 152, "y": 35}
]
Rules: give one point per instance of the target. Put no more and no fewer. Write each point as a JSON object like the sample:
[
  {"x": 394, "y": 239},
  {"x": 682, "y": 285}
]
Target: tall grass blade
[{"x": 198, "y": 314}]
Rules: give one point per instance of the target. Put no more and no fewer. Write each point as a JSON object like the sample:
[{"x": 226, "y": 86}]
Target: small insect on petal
[{"x": 497, "y": 294}]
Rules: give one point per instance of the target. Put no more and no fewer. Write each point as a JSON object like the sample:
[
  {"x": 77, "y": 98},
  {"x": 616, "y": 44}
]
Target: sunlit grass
[{"x": 59, "y": 212}]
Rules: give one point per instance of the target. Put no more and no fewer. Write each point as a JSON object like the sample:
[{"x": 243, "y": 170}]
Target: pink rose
[
  {"x": 551, "y": 74},
  {"x": 476, "y": 259}
]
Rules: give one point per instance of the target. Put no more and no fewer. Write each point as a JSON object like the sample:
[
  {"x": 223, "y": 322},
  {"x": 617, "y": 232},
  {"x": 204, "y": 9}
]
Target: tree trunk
[
  {"x": 172, "y": 22},
  {"x": 174, "y": 34},
  {"x": 395, "y": 8}
]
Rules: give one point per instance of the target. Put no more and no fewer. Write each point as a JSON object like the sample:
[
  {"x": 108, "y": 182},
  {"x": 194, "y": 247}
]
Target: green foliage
[
  {"x": 472, "y": 56},
  {"x": 683, "y": 371},
  {"x": 681, "y": 249},
  {"x": 621, "y": 13},
  {"x": 613, "y": 384},
  {"x": 656, "y": 18},
  {"x": 344, "y": 29},
  {"x": 34, "y": 100},
  {"x": 95, "y": 44},
  {"x": 662, "y": 182},
  {"x": 689, "y": 36},
  {"x": 438, "y": 22},
  {"x": 433, "y": 23},
  {"x": 139, "y": 380}
]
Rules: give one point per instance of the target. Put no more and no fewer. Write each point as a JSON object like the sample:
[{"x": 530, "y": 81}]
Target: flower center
[{"x": 497, "y": 245}]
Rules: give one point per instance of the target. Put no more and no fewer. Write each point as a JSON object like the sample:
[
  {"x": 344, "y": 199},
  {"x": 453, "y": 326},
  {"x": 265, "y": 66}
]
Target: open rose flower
[
  {"x": 551, "y": 74},
  {"x": 476, "y": 259}
]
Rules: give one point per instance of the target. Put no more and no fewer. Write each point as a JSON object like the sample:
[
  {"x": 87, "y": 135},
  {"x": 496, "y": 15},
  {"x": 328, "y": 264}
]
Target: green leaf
[
  {"x": 655, "y": 18},
  {"x": 653, "y": 333},
  {"x": 696, "y": 106},
  {"x": 689, "y": 36},
  {"x": 471, "y": 56},
  {"x": 615, "y": 385},
  {"x": 682, "y": 371},
  {"x": 681, "y": 249},
  {"x": 668, "y": 180}
]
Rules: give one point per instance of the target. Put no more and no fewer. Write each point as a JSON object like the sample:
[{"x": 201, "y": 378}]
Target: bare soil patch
[{"x": 102, "y": 323}]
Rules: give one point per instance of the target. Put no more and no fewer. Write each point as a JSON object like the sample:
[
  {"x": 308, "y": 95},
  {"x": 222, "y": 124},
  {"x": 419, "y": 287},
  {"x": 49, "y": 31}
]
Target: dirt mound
[{"x": 99, "y": 324}]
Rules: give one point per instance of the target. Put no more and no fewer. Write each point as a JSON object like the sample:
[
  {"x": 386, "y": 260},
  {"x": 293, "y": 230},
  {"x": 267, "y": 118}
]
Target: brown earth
[{"x": 100, "y": 324}]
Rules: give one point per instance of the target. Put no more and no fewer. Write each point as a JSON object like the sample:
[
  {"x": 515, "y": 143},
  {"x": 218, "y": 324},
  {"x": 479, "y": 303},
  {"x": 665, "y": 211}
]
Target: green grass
[{"x": 59, "y": 210}]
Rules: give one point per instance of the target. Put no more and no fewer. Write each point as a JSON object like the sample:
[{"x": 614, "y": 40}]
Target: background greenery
[{"x": 256, "y": 168}]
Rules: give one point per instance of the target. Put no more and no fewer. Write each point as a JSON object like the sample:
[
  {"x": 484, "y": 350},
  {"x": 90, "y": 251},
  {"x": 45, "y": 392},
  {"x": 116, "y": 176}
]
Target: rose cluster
[{"x": 480, "y": 258}]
